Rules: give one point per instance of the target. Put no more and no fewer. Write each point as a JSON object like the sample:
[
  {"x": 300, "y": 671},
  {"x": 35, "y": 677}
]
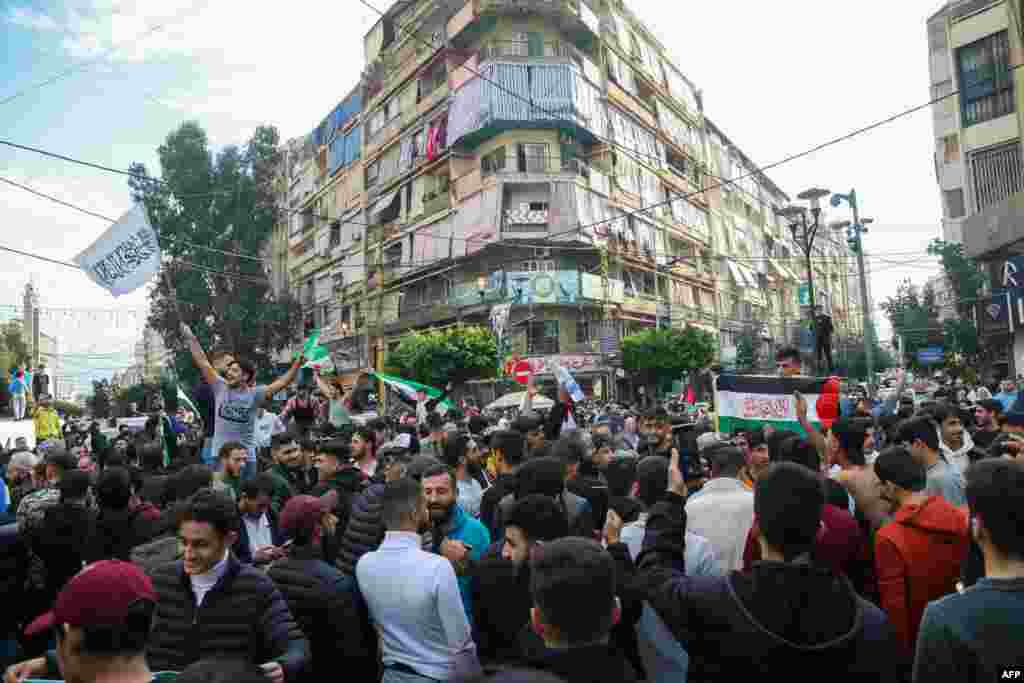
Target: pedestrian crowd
[{"x": 879, "y": 547}]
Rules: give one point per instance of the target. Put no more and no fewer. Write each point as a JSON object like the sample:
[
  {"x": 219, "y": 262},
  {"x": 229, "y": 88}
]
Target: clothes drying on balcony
[{"x": 560, "y": 96}]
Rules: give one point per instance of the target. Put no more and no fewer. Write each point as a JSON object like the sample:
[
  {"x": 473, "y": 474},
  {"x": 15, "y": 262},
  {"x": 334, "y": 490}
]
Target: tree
[
  {"x": 213, "y": 215},
  {"x": 99, "y": 402},
  {"x": 13, "y": 349},
  {"x": 913, "y": 316},
  {"x": 746, "y": 351},
  {"x": 661, "y": 356},
  {"x": 455, "y": 354},
  {"x": 965, "y": 276}
]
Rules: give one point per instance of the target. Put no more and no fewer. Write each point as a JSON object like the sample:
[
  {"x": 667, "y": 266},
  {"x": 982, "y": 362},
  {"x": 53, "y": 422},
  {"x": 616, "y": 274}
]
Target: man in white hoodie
[{"x": 955, "y": 442}]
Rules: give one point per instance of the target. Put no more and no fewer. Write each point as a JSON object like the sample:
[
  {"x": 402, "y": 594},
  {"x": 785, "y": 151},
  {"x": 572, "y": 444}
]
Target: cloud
[{"x": 32, "y": 19}]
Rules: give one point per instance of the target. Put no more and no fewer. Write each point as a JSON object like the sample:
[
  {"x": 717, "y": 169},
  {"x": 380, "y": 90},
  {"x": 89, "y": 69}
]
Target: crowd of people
[{"x": 886, "y": 545}]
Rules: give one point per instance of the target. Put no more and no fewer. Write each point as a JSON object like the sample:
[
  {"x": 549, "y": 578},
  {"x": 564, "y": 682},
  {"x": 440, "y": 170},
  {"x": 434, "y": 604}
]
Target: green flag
[
  {"x": 317, "y": 357},
  {"x": 408, "y": 388},
  {"x": 183, "y": 399}
]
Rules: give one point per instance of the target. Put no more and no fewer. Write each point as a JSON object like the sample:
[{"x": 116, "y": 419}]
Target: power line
[{"x": 83, "y": 66}]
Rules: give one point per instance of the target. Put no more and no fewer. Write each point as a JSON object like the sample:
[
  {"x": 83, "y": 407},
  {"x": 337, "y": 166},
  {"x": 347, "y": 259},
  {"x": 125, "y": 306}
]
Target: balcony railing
[{"x": 512, "y": 49}]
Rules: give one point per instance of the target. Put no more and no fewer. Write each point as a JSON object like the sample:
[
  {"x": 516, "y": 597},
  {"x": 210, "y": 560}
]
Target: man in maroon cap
[
  {"x": 101, "y": 623},
  {"x": 323, "y": 601}
]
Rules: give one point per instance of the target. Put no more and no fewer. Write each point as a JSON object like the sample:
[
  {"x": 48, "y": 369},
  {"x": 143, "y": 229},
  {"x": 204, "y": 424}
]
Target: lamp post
[
  {"x": 803, "y": 232},
  {"x": 853, "y": 238}
]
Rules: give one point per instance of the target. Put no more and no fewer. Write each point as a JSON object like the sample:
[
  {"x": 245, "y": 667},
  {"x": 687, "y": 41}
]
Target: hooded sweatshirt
[
  {"x": 790, "y": 620},
  {"x": 958, "y": 457},
  {"x": 918, "y": 557}
]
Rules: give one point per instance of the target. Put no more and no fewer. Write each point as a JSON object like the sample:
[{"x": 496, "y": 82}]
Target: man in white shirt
[
  {"x": 267, "y": 424},
  {"x": 413, "y": 596},
  {"x": 724, "y": 511}
]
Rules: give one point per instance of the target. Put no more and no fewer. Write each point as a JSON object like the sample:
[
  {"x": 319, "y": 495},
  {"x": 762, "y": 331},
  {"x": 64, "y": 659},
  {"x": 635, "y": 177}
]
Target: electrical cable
[{"x": 83, "y": 66}]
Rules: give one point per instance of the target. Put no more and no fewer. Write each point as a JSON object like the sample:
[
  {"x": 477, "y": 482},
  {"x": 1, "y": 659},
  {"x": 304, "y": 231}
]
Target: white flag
[{"x": 125, "y": 257}]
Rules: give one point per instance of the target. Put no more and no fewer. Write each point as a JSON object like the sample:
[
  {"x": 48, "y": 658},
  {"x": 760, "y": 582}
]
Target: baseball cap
[
  {"x": 102, "y": 594},
  {"x": 301, "y": 513}
]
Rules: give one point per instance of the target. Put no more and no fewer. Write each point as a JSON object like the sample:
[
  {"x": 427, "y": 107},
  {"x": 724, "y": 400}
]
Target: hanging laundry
[
  {"x": 432, "y": 148},
  {"x": 442, "y": 131},
  {"x": 405, "y": 154}
]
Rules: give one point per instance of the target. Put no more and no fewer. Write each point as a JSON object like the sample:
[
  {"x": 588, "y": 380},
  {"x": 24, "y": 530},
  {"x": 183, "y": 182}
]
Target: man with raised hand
[{"x": 237, "y": 402}]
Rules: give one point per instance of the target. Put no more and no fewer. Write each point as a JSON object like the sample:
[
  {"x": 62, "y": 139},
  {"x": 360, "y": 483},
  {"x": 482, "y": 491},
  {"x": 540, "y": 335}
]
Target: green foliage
[
  {"x": 965, "y": 276},
  {"x": 960, "y": 336},
  {"x": 746, "y": 352},
  {"x": 224, "y": 202},
  {"x": 99, "y": 403},
  {"x": 455, "y": 354},
  {"x": 913, "y": 316},
  {"x": 13, "y": 350},
  {"x": 668, "y": 353},
  {"x": 69, "y": 409}
]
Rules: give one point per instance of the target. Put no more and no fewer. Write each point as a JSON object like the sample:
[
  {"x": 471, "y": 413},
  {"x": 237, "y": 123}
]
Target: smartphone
[{"x": 288, "y": 543}]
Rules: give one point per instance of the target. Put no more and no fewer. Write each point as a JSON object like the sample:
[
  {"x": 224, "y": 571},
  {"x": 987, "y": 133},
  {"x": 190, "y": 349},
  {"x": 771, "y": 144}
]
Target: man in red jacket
[{"x": 918, "y": 554}]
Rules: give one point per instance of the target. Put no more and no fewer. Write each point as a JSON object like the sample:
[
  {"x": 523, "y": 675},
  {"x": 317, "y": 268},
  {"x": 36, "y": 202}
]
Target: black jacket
[
  {"x": 502, "y": 486},
  {"x": 365, "y": 529},
  {"x": 501, "y": 612},
  {"x": 590, "y": 486},
  {"x": 243, "y": 546},
  {"x": 62, "y": 541},
  {"x": 244, "y": 616},
  {"x": 328, "y": 607},
  {"x": 553, "y": 423},
  {"x": 785, "y": 620},
  {"x": 115, "y": 533},
  {"x": 590, "y": 664}
]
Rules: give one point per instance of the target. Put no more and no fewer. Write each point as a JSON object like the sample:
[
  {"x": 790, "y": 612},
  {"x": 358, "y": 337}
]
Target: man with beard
[
  {"x": 237, "y": 402},
  {"x": 287, "y": 474},
  {"x": 955, "y": 443},
  {"x": 456, "y": 535},
  {"x": 918, "y": 554},
  {"x": 920, "y": 436},
  {"x": 363, "y": 451},
  {"x": 258, "y": 539},
  {"x": 501, "y": 586},
  {"x": 229, "y": 479},
  {"x": 987, "y": 414}
]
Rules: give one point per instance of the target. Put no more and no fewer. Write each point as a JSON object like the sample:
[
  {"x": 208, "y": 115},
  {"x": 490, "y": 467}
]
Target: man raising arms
[{"x": 236, "y": 402}]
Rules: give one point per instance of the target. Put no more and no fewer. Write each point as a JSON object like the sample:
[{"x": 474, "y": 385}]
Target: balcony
[
  {"x": 433, "y": 202},
  {"x": 521, "y": 49},
  {"x": 573, "y": 17}
]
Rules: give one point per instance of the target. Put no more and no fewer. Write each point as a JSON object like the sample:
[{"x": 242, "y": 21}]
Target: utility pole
[{"x": 854, "y": 239}]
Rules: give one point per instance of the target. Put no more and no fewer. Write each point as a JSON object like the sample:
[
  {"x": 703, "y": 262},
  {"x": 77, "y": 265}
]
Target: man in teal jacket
[{"x": 457, "y": 536}]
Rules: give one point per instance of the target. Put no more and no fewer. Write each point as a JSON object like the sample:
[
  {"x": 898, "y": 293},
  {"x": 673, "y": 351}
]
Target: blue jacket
[
  {"x": 17, "y": 386},
  {"x": 473, "y": 533}
]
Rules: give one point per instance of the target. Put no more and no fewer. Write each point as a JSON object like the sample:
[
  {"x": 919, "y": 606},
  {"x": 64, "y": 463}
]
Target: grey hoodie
[{"x": 958, "y": 458}]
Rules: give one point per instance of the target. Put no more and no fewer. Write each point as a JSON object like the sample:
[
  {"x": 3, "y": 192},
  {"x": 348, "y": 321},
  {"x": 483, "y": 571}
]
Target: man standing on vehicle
[{"x": 237, "y": 402}]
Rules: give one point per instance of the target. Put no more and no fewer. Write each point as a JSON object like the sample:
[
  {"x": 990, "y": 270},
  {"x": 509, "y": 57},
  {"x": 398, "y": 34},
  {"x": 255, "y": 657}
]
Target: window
[
  {"x": 996, "y": 174},
  {"x": 951, "y": 148},
  {"x": 433, "y": 78},
  {"x": 539, "y": 266},
  {"x": 372, "y": 173},
  {"x": 542, "y": 337},
  {"x": 986, "y": 82},
  {"x": 494, "y": 162},
  {"x": 393, "y": 255},
  {"x": 533, "y": 158},
  {"x": 538, "y": 206},
  {"x": 335, "y": 234},
  {"x": 954, "y": 203}
]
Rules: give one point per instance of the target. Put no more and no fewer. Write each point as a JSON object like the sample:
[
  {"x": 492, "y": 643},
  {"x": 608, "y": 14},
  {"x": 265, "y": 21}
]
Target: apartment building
[
  {"x": 975, "y": 51},
  {"x": 546, "y": 154}
]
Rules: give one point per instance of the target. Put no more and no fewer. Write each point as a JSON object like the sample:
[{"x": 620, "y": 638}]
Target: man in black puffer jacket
[
  {"x": 211, "y": 605},
  {"x": 364, "y": 531},
  {"x": 325, "y": 602}
]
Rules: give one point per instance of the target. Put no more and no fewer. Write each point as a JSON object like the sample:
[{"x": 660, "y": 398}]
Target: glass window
[
  {"x": 493, "y": 162},
  {"x": 542, "y": 337},
  {"x": 986, "y": 82},
  {"x": 533, "y": 157}
]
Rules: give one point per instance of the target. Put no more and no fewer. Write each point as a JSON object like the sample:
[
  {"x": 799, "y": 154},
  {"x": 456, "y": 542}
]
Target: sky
[{"x": 777, "y": 78}]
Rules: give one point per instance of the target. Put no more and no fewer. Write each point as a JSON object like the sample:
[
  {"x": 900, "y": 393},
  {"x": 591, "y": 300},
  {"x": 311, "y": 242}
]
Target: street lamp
[
  {"x": 856, "y": 229},
  {"x": 804, "y": 231}
]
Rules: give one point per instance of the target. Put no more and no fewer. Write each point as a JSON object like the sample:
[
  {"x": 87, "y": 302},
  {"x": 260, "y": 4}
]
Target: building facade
[
  {"x": 976, "y": 48},
  {"x": 546, "y": 154}
]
